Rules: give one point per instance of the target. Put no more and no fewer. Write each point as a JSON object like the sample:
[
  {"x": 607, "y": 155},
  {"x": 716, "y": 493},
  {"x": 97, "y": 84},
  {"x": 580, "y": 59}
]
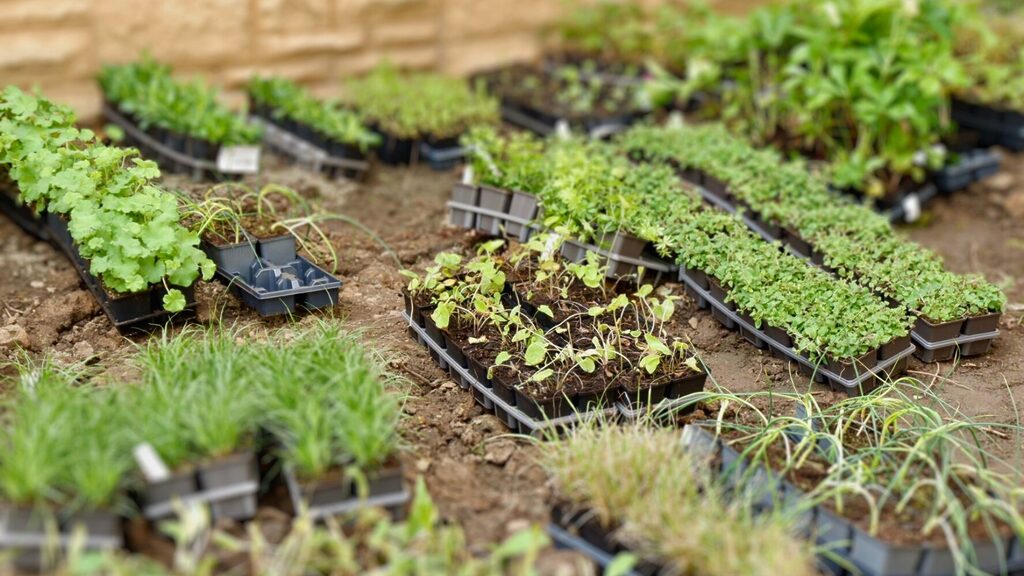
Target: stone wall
[{"x": 58, "y": 45}]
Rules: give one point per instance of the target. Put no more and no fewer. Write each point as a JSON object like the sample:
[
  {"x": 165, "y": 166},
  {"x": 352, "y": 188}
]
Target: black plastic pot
[
  {"x": 937, "y": 332},
  {"x": 276, "y": 289},
  {"x": 994, "y": 126},
  {"x": 232, "y": 258},
  {"x": 175, "y": 487},
  {"x": 227, "y": 472},
  {"x": 24, "y": 217},
  {"x": 387, "y": 479},
  {"x": 279, "y": 249},
  {"x": 523, "y": 206},
  {"x": 981, "y": 324},
  {"x": 849, "y": 369},
  {"x": 395, "y": 151},
  {"x": 466, "y": 195},
  {"x": 893, "y": 348},
  {"x": 493, "y": 199}
]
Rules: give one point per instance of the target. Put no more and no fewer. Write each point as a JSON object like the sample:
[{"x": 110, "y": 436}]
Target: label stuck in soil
[{"x": 239, "y": 159}]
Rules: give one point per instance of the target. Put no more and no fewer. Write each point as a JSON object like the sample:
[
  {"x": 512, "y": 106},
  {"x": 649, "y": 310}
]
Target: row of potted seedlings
[
  {"x": 836, "y": 330},
  {"x": 565, "y": 98},
  {"x": 252, "y": 238},
  {"x": 98, "y": 204},
  {"x": 992, "y": 107},
  {"x": 955, "y": 314},
  {"x": 206, "y": 413},
  {"x": 181, "y": 124},
  {"x": 542, "y": 341},
  {"x": 881, "y": 484},
  {"x": 419, "y": 116},
  {"x": 321, "y": 133}
]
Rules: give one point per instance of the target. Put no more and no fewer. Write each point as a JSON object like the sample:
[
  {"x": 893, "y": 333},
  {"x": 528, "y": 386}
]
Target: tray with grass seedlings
[
  {"x": 335, "y": 429},
  {"x": 56, "y": 491},
  {"x": 628, "y": 496},
  {"x": 568, "y": 98},
  {"x": 98, "y": 204},
  {"x": 955, "y": 313},
  {"x": 319, "y": 134},
  {"x": 931, "y": 511},
  {"x": 516, "y": 187},
  {"x": 181, "y": 124},
  {"x": 420, "y": 116},
  {"x": 251, "y": 235},
  {"x": 543, "y": 342}
]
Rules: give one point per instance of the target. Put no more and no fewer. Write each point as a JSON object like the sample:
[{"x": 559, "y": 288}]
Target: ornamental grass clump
[{"x": 663, "y": 504}]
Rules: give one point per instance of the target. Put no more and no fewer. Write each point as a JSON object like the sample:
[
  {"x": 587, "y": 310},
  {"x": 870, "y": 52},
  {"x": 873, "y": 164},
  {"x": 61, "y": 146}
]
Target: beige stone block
[
  {"x": 20, "y": 13},
  {"x": 475, "y": 54},
  {"x": 214, "y": 32},
  {"x": 38, "y": 51},
  {"x": 287, "y": 45},
  {"x": 292, "y": 15},
  {"x": 469, "y": 18},
  {"x": 407, "y": 31},
  {"x": 303, "y": 70}
]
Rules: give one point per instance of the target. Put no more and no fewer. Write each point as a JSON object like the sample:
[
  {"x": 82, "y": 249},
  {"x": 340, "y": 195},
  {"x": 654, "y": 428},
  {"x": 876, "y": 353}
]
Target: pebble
[
  {"x": 13, "y": 336},
  {"x": 37, "y": 284},
  {"x": 1001, "y": 181}
]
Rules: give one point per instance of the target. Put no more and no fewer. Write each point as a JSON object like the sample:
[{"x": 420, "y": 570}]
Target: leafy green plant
[
  {"x": 124, "y": 226},
  {"x": 146, "y": 90},
  {"x": 288, "y": 100},
  {"x": 419, "y": 105}
]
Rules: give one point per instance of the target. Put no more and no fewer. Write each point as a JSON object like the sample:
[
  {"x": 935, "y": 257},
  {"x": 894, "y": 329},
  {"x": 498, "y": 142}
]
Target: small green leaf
[
  {"x": 545, "y": 310},
  {"x": 587, "y": 365},
  {"x": 535, "y": 352},
  {"x": 542, "y": 375},
  {"x": 650, "y": 363},
  {"x": 621, "y": 565},
  {"x": 502, "y": 358},
  {"x": 174, "y": 301},
  {"x": 657, "y": 345}
]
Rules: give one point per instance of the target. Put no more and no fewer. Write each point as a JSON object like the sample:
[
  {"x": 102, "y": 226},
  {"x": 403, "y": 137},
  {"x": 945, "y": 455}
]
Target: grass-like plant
[{"x": 664, "y": 504}]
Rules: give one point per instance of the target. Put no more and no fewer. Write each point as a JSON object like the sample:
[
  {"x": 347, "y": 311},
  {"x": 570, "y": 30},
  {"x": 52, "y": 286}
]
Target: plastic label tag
[
  {"x": 675, "y": 120},
  {"x": 150, "y": 463},
  {"x": 239, "y": 159},
  {"x": 911, "y": 208},
  {"x": 562, "y": 130},
  {"x": 467, "y": 174}
]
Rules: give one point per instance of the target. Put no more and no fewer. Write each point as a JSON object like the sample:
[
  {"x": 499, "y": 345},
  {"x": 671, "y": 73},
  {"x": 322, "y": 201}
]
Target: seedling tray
[
  {"x": 228, "y": 486},
  {"x": 842, "y": 538},
  {"x": 511, "y": 214},
  {"x": 306, "y": 153},
  {"x": 863, "y": 382},
  {"x": 389, "y": 494},
  {"x": 930, "y": 348},
  {"x": 177, "y": 160},
  {"x": 442, "y": 155},
  {"x": 25, "y": 533},
  {"x": 276, "y": 289},
  {"x": 994, "y": 126},
  {"x": 441, "y": 158},
  {"x": 544, "y": 125},
  {"x": 24, "y": 217}
]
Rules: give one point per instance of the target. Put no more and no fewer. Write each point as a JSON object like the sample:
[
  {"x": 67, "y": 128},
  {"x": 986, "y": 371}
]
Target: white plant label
[
  {"x": 152, "y": 466},
  {"x": 911, "y": 208},
  {"x": 562, "y": 130},
  {"x": 467, "y": 174},
  {"x": 239, "y": 159}
]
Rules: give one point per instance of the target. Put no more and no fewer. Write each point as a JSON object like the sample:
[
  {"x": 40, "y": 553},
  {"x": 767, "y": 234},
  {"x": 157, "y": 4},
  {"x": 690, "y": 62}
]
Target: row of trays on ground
[
  {"x": 935, "y": 342},
  {"x": 847, "y": 548},
  {"x": 498, "y": 212},
  {"x": 266, "y": 274}
]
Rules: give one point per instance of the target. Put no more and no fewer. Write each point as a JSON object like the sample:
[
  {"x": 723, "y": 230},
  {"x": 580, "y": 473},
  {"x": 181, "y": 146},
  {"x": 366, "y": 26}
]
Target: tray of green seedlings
[
  {"x": 52, "y": 483},
  {"x": 991, "y": 105},
  {"x": 630, "y": 497},
  {"x": 181, "y": 124},
  {"x": 319, "y": 134},
  {"x": 934, "y": 505},
  {"x": 335, "y": 428},
  {"x": 542, "y": 343},
  {"x": 123, "y": 234},
  {"x": 252, "y": 237},
  {"x": 566, "y": 99},
  {"x": 419, "y": 115},
  {"x": 516, "y": 188},
  {"x": 956, "y": 314}
]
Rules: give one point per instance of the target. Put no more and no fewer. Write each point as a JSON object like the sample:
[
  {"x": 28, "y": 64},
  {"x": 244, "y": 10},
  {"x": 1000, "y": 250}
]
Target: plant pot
[
  {"x": 433, "y": 332},
  {"x": 779, "y": 335},
  {"x": 395, "y": 151},
  {"x": 228, "y": 472},
  {"x": 937, "y": 332},
  {"x": 715, "y": 186},
  {"x": 177, "y": 486},
  {"x": 981, "y": 324},
  {"x": 718, "y": 293},
  {"x": 626, "y": 245},
  {"x": 97, "y": 523},
  {"x": 522, "y": 206},
  {"x": 493, "y": 199},
  {"x": 466, "y": 195},
  {"x": 699, "y": 277},
  {"x": 275, "y": 289},
  {"x": 278, "y": 250},
  {"x": 388, "y": 479},
  {"x": 479, "y": 372},
  {"x": 893, "y": 348},
  {"x": 232, "y": 258},
  {"x": 833, "y": 530},
  {"x": 542, "y": 409},
  {"x": 691, "y": 175},
  {"x": 850, "y": 369},
  {"x": 454, "y": 351},
  {"x": 318, "y": 493},
  {"x": 877, "y": 557}
]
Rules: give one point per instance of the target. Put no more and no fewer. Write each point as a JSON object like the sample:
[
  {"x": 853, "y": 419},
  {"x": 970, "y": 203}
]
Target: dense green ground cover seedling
[
  {"x": 63, "y": 445},
  {"x": 857, "y": 243},
  {"x": 666, "y": 506},
  {"x": 291, "y": 101},
  {"x": 589, "y": 190},
  {"x": 146, "y": 90},
  {"x": 899, "y": 461},
  {"x": 419, "y": 105},
  {"x": 123, "y": 225}
]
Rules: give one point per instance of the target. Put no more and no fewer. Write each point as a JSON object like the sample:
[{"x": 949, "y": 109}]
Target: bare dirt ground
[{"x": 479, "y": 476}]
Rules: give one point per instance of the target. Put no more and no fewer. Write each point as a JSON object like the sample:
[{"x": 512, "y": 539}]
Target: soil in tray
[
  {"x": 531, "y": 89},
  {"x": 898, "y": 528}
]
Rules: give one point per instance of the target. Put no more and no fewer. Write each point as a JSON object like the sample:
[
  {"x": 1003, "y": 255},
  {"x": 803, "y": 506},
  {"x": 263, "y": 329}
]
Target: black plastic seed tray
[
  {"x": 545, "y": 125},
  {"x": 24, "y": 217},
  {"x": 513, "y": 214},
  {"x": 276, "y": 289},
  {"x": 993, "y": 126},
  {"x": 310, "y": 155},
  {"x": 441, "y": 157},
  {"x": 862, "y": 382},
  {"x": 325, "y": 500},
  {"x": 228, "y": 486},
  {"x": 853, "y": 551},
  {"x": 25, "y": 534},
  {"x": 937, "y": 343},
  {"x": 971, "y": 166}
]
